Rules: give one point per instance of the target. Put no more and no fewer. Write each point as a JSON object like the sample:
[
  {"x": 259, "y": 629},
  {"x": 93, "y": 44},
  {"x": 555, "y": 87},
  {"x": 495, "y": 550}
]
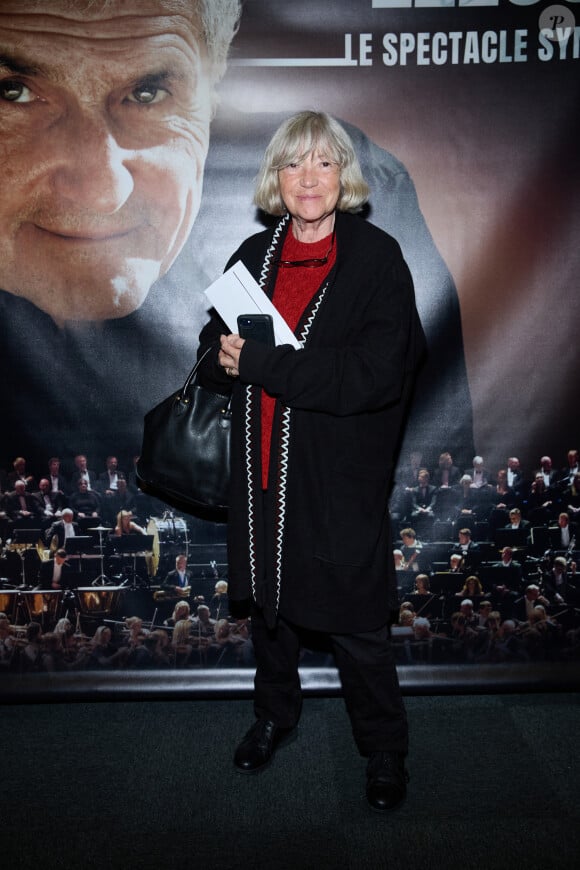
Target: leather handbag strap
[
  {"x": 192, "y": 374},
  {"x": 182, "y": 395}
]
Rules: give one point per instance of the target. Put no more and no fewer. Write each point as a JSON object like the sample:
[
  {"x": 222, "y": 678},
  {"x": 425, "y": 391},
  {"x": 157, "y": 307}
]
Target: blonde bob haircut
[{"x": 293, "y": 141}]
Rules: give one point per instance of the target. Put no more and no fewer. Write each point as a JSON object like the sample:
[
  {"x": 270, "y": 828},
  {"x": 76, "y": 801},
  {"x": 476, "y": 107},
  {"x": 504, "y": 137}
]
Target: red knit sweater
[{"x": 295, "y": 287}]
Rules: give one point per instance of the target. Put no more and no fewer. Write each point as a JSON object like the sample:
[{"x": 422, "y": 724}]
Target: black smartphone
[{"x": 260, "y": 327}]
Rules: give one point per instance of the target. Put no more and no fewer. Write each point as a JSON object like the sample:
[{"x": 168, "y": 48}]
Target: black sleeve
[{"x": 366, "y": 374}]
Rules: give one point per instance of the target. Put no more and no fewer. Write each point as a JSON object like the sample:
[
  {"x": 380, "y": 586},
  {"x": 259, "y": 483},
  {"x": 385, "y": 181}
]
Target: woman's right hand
[{"x": 229, "y": 355}]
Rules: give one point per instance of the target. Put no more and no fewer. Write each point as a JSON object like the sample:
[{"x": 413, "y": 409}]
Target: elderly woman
[{"x": 314, "y": 436}]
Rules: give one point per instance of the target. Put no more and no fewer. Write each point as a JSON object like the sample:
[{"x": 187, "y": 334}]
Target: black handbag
[{"x": 185, "y": 457}]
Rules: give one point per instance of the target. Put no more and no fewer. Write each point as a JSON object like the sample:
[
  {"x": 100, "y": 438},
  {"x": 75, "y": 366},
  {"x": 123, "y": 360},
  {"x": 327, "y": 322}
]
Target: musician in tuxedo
[
  {"x": 483, "y": 501},
  {"x": 563, "y": 535},
  {"x": 56, "y": 573},
  {"x": 62, "y": 529},
  {"x": 177, "y": 583},
  {"x": 514, "y": 568},
  {"x": 467, "y": 549},
  {"x": 503, "y": 496},
  {"x": 503, "y": 499},
  {"x": 517, "y": 522},
  {"x": 446, "y": 474},
  {"x": 423, "y": 600},
  {"x": 203, "y": 626},
  {"x": 542, "y": 502},
  {"x": 468, "y": 613},
  {"x": 567, "y": 474},
  {"x": 51, "y": 503},
  {"x": 219, "y": 603},
  {"x": 478, "y": 473},
  {"x": 19, "y": 473},
  {"x": 523, "y": 607},
  {"x": 423, "y": 505},
  {"x": 571, "y": 497},
  {"x": 466, "y": 501},
  {"x": 483, "y": 613},
  {"x": 411, "y": 549},
  {"x": 58, "y": 483},
  {"x": 558, "y": 582},
  {"x": 514, "y": 475},
  {"x": 109, "y": 480},
  {"x": 503, "y": 599},
  {"x": 82, "y": 472},
  {"x": 547, "y": 471},
  {"x": 21, "y": 505}
]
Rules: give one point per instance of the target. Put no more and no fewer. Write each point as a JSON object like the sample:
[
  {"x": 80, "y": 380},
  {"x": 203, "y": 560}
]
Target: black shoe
[
  {"x": 386, "y": 780},
  {"x": 259, "y": 745}
]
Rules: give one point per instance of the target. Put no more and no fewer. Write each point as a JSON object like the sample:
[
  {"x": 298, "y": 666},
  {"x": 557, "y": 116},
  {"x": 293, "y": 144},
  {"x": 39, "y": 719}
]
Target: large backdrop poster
[{"x": 129, "y": 148}]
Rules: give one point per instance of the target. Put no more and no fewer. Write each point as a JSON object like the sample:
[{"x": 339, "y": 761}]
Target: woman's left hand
[{"x": 229, "y": 355}]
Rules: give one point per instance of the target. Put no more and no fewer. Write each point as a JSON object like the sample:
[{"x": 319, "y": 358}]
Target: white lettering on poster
[
  {"x": 567, "y": 46},
  {"x": 455, "y": 47}
]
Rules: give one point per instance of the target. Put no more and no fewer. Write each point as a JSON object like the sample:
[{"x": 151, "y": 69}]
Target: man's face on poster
[{"x": 104, "y": 127}]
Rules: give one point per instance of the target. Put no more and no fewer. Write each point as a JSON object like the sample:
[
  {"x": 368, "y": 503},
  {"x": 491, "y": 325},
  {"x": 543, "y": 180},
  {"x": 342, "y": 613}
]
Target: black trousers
[{"x": 368, "y": 675}]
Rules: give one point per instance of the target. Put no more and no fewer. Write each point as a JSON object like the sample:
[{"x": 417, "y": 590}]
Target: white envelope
[{"x": 237, "y": 292}]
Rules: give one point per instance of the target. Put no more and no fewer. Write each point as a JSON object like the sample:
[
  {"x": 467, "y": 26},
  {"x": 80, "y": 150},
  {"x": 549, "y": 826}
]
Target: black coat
[
  {"x": 316, "y": 547},
  {"x": 12, "y": 505},
  {"x": 172, "y": 580},
  {"x": 67, "y": 576},
  {"x": 57, "y": 528}
]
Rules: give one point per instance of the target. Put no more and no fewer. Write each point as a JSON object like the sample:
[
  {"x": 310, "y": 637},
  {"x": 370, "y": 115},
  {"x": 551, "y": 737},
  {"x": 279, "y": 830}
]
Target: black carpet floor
[{"x": 495, "y": 783}]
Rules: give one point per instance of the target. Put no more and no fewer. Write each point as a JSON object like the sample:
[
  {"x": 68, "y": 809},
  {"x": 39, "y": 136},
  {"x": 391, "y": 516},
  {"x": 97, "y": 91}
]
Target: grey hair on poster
[{"x": 218, "y": 19}]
